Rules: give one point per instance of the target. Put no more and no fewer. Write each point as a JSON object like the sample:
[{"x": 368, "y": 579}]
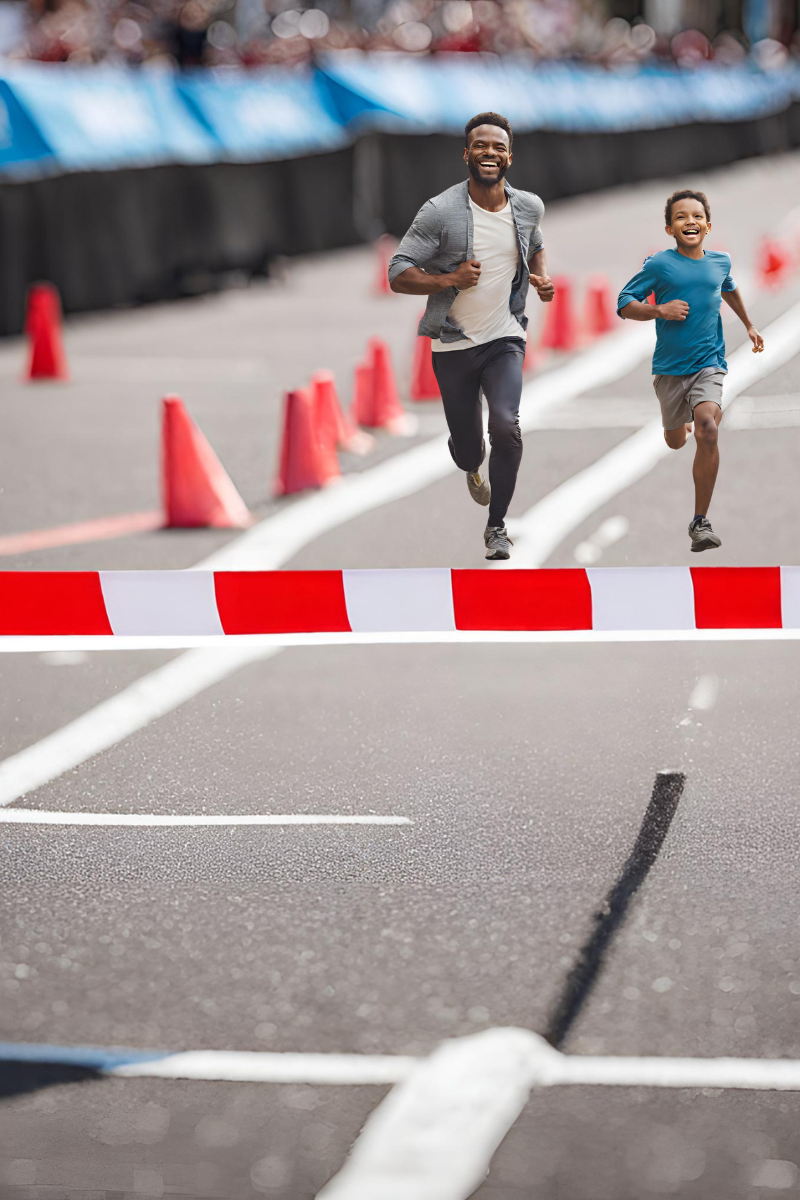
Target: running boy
[{"x": 689, "y": 361}]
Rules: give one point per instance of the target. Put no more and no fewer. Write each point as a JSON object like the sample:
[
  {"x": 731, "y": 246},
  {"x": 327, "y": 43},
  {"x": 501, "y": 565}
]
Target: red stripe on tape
[
  {"x": 536, "y": 599},
  {"x": 52, "y": 602},
  {"x": 737, "y": 597},
  {"x": 281, "y": 601}
]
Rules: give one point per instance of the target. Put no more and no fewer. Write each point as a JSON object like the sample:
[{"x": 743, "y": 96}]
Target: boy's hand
[
  {"x": 544, "y": 287},
  {"x": 466, "y": 275},
  {"x": 756, "y": 339},
  {"x": 673, "y": 310}
]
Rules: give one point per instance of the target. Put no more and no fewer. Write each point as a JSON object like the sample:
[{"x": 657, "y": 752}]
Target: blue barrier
[{"x": 55, "y": 118}]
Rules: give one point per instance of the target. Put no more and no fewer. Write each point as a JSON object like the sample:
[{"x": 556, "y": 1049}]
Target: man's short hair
[
  {"x": 488, "y": 118},
  {"x": 686, "y": 194}
]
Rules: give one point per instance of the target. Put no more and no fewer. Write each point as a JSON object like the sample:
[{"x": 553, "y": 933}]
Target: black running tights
[{"x": 496, "y": 369}]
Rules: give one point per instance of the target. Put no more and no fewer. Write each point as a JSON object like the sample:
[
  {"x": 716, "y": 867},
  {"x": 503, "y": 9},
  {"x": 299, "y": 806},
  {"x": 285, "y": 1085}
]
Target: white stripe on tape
[
  {"x": 40, "y": 816},
  {"x": 399, "y": 601},
  {"x": 790, "y": 597},
  {"x": 641, "y": 598},
  {"x": 161, "y": 602}
]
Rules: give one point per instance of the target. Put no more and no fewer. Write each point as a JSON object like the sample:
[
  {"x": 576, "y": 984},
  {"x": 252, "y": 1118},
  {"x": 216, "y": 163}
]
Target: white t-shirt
[{"x": 482, "y": 312}]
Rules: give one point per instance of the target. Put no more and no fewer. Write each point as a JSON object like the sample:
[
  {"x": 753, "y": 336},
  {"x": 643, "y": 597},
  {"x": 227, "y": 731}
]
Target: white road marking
[
  {"x": 513, "y": 1048},
  {"x": 434, "y": 1135},
  {"x": 116, "y": 718},
  {"x": 270, "y": 545},
  {"x": 274, "y": 642},
  {"x": 704, "y": 693},
  {"x": 547, "y": 523},
  {"x": 36, "y": 816},
  {"x": 612, "y": 530}
]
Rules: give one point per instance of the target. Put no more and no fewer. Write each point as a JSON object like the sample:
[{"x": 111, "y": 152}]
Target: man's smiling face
[
  {"x": 689, "y": 224},
  {"x": 487, "y": 154}
]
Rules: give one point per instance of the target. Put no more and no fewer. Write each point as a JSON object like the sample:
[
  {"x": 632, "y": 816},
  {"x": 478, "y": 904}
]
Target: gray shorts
[{"x": 678, "y": 394}]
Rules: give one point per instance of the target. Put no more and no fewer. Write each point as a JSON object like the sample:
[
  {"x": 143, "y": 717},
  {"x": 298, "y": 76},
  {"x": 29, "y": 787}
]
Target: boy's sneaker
[
  {"x": 498, "y": 543},
  {"x": 703, "y": 536}
]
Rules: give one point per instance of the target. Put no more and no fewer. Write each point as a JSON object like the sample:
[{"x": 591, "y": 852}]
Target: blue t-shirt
[{"x": 685, "y": 347}]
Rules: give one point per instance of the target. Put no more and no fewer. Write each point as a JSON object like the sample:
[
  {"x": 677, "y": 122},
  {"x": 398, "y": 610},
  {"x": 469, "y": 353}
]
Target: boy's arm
[
  {"x": 640, "y": 310},
  {"x": 734, "y": 300},
  {"x": 632, "y": 306}
]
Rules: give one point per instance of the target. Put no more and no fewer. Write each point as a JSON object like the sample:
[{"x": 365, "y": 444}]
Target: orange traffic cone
[
  {"x": 46, "y": 359},
  {"x": 376, "y": 403},
  {"x": 384, "y": 249},
  {"x": 304, "y": 462},
  {"x": 773, "y": 264},
  {"x": 333, "y": 427},
  {"x": 423, "y": 379},
  {"x": 196, "y": 489},
  {"x": 560, "y": 329},
  {"x": 599, "y": 315}
]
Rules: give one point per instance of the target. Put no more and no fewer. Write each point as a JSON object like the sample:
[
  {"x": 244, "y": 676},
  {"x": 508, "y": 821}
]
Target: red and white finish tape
[{"x": 197, "y": 604}]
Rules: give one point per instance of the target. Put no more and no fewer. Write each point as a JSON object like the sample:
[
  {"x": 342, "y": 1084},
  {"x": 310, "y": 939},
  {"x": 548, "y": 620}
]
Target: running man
[
  {"x": 689, "y": 361},
  {"x": 471, "y": 251}
]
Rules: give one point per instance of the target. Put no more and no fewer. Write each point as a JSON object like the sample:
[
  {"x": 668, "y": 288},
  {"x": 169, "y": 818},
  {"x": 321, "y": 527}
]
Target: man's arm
[
  {"x": 413, "y": 281},
  {"x": 537, "y": 265},
  {"x": 734, "y": 300},
  {"x": 639, "y": 310}
]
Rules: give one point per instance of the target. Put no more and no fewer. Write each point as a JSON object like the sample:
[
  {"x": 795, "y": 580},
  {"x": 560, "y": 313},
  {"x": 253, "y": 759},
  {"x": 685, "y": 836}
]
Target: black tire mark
[{"x": 663, "y": 805}]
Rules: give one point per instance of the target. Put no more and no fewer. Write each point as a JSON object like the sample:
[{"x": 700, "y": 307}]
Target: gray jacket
[{"x": 440, "y": 239}]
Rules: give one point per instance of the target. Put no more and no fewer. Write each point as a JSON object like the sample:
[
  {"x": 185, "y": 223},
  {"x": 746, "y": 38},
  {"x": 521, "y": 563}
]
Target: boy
[{"x": 689, "y": 361}]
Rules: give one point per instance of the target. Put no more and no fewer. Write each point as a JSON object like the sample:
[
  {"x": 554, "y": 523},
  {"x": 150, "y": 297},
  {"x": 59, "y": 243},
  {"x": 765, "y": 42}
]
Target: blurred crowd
[{"x": 218, "y": 33}]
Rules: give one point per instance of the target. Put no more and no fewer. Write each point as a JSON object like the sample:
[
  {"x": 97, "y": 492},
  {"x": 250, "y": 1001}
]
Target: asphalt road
[{"x": 526, "y": 773}]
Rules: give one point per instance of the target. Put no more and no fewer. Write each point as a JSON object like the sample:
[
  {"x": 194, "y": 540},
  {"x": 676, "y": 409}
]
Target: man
[
  {"x": 689, "y": 361},
  {"x": 471, "y": 251}
]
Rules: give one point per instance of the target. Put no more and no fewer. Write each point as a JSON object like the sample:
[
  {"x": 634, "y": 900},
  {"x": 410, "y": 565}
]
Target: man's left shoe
[
  {"x": 498, "y": 543},
  {"x": 703, "y": 536},
  {"x": 478, "y": 487}
]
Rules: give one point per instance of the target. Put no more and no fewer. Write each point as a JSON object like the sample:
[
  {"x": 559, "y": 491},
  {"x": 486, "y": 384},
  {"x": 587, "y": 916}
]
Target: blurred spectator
[{"x": 190, "y": 33}]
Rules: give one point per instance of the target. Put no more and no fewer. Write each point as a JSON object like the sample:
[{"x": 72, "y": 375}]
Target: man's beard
[{"x": 474, "y": 171}]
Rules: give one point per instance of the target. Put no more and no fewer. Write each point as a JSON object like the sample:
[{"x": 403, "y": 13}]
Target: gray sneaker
[
  {"x": 703, "y": 536},
  {"x": 497, "y": 542},
  {"x": 478, "y": 487}
]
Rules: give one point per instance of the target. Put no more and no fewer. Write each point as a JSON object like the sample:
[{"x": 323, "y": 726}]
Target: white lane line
[
  {"x": 607, "y": 534},
  {"x": 35, "y": 816},
  {"x": 240, "y": 1066},
  {"x": 270, "y": 545},
  {"x": 547, "y": 523},
  {"x": 434, "y": 1135},
  {"x": 704, "y": 693},
  {"x": 514, "y": 1049},
  {"x": 116, "y": 718},
  {"x": 277, "y": 641}
]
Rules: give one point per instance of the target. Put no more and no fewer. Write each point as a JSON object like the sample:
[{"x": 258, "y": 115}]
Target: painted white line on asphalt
[
  {"x": 35, "y": 816},
  {"x": 116, "y": 718},
  {"x": 544, "y": 526},
  {"x": 522, "y": 1056},
  {"x": 272, "y": 544},
  {"x": 704, "y": 693},
  {"x": 611, "y": 531},
  {"x": 434, "y": 1135},
  {"x": 245, "y": 643}
]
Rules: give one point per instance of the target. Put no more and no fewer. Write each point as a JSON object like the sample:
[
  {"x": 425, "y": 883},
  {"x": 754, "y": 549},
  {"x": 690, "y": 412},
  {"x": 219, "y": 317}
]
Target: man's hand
[
  {"x": 544, "y": 287},
  {"x": 465, "y": 276},
  {"x": 756, "y": 339},
  {"x": 673, "y": 310}
]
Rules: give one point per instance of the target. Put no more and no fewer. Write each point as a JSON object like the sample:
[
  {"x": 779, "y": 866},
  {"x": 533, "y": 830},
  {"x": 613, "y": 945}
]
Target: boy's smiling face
[{"x": 689, "y": 224}]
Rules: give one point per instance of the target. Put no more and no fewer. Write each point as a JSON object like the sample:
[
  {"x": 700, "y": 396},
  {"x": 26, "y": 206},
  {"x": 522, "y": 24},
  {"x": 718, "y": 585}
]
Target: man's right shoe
[
  {"x": 498, "y": 543},
  {"x": 703, "y": 536}
]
